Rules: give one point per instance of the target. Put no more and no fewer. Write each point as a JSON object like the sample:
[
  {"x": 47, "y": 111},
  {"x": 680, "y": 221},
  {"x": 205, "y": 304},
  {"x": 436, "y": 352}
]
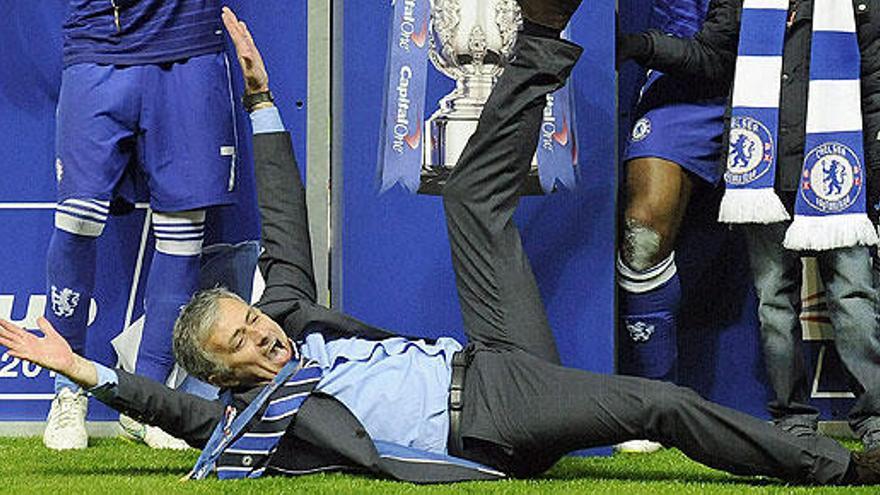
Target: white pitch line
[
  {"x": 49, "y": 206},
  {"x": 27, "y": 396}
]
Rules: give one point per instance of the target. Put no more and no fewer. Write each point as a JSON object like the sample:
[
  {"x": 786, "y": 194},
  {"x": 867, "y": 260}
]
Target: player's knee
[
  {"x": 85, "y": 217},
  {"x": 642, "y": 245},
  {"x": 179, "y": 233}
]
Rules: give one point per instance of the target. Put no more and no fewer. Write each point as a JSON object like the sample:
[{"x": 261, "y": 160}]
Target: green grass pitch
[{"x": 115, "y": 466}]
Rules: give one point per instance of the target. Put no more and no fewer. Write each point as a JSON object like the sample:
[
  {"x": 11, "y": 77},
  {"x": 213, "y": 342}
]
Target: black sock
[{"x": 539, "y": 30}]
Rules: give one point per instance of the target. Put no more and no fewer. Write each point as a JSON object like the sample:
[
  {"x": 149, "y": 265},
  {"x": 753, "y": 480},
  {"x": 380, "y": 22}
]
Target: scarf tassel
[
  {"x": 751, "y": 206},
  {"x": 821, "y": 233}
]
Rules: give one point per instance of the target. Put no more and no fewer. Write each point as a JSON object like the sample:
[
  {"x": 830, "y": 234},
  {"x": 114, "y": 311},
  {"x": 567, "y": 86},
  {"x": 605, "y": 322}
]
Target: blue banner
[
  {"x": 400, "y": 150},
  {"x": 557, "y": 151}
]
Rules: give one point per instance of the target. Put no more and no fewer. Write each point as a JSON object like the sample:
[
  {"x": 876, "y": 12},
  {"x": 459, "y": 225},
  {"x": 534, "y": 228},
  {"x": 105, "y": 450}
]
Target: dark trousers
[{"x": 522, "y": 409}]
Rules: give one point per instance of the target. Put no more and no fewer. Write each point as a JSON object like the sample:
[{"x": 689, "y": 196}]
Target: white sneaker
[
  {"x": 66, "y": 424},
  {"x": 132, "y": 429},
  {"x": 156, "y": 438},
  {"x": 638, "y": 447},
  {"x": 153, "y": 436}
]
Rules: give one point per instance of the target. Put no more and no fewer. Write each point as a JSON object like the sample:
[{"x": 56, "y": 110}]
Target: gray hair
[{"x": 193, "y": 328}]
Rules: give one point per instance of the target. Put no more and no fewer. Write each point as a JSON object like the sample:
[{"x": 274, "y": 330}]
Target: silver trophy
[{"x": 471, "y": 44}]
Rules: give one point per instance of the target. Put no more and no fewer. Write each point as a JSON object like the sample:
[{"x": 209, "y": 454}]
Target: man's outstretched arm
[
  {"x": 286, "y": 260},
  {"x": 180, "y": 414},
  {"x": 51, "y": 352}
]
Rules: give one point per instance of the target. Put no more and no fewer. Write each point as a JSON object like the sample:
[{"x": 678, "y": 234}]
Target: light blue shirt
[
  {"x": 266, "y": 120},
  {"x": 397, "y": 388}
]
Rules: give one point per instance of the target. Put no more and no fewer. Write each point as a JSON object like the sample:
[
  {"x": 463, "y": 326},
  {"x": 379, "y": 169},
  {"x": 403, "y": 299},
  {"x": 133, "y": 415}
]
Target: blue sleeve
[
  {"x": 267, "y": 120},
  {"x": 107, "y": 380}
]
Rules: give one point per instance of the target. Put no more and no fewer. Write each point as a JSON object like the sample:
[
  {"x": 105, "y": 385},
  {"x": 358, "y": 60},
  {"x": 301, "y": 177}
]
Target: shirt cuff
[
  {"x": 107, "y": 381},
  {"x": 267, "y": 120}
]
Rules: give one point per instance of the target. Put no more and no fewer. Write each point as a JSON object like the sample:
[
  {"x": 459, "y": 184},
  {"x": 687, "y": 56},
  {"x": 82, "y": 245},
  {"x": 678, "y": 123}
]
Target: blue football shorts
[
  {"x": 173, "y": 124},
  {"x": 679, "y": 121}
]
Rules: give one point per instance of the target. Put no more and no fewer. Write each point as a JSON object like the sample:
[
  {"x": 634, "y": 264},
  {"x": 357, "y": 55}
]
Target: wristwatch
[{"x": 253, "y": 99}]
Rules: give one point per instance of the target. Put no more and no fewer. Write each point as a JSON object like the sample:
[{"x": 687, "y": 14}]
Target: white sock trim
[
  {"x": 179, "y": 233},
  {"x": 82, "y": 217},
  {"x": 638, "y": 282}
]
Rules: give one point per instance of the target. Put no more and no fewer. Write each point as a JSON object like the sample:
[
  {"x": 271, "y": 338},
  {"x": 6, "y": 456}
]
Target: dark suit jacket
[{"x": 325, "y": 434}]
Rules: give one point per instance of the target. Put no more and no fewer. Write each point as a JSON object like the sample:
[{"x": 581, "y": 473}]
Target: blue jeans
[{"x": 847, "y": 276}]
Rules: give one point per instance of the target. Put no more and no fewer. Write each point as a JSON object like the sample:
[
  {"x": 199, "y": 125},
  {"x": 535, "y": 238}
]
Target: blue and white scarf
[
  {"x": 242, "y": 441},
  {"x": 830, "y": 210}
]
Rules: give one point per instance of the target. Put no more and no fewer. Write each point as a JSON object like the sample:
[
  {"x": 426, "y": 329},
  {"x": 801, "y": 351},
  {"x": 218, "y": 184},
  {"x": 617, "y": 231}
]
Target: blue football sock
[
  {"x": 649, "y": 306},
  {"x": 70, "y": 281},
  {"x": 173, "y": 278},
  {"x": 70, "y": 270}
]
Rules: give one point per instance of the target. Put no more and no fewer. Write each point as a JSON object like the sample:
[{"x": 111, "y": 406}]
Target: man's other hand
[
  {"x": 51, "y": 351},
  {"x": 256, "y": 79}
]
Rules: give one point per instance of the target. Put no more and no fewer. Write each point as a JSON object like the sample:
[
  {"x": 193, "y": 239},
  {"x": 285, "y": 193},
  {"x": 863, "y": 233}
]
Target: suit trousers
[{"x": 522, "y": 409}]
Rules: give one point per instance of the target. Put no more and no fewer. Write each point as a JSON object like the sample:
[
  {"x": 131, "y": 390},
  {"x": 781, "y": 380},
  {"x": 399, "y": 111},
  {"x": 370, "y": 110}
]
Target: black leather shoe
[
  {"x": 867, "y": 467},
  {"x": 553, "y": 14}
]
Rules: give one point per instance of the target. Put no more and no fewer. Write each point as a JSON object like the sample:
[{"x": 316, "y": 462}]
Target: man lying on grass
[{"x": 307, "y": 389}]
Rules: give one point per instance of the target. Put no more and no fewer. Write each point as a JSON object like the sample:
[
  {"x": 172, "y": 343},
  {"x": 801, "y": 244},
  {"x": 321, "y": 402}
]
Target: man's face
[{"x": 250, "y": 343}]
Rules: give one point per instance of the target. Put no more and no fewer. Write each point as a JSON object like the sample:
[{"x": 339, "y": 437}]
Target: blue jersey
[
  {"x": 681, "y": 18},
  {"x": 136, "y": 32}
]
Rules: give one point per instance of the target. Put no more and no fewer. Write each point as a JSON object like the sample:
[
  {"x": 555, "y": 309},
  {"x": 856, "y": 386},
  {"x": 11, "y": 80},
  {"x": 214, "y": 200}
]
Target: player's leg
[
  {"x": 500, "y": 301},
  {"x": 674, "y": 147},
  {"x": 543, "y": 411},
  {"x": 657, "y": 194},
  {"x": 777, "y": 274},
  {"x": 70, "y": 280},
  {"x": 93, "y": 124},
  {"x": 188, "y": 151},
  {"x": 188, "y": 154},
  {"x": 852, "y": 299}
]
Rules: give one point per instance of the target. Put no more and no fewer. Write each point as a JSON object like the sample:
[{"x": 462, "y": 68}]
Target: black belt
[{"x": 456, "y": 401}]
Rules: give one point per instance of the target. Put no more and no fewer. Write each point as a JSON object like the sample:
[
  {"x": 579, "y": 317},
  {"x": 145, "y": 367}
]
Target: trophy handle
[{"x": 508, "y": 18}]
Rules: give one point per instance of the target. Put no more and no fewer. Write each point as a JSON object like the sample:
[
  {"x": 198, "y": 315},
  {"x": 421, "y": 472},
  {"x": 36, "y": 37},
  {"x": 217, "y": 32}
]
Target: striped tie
[
  {"x": 247, "y": 457},
  {"x": 241, "y": 446}
]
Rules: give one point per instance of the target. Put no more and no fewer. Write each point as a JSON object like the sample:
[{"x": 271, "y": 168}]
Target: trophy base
[
  {"x": 433, "y": 179},
  {"x": 443, "y": 146}
]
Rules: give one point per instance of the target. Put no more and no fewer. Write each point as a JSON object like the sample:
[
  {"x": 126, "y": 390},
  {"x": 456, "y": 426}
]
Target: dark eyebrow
[{"x": 238, "y": 331}]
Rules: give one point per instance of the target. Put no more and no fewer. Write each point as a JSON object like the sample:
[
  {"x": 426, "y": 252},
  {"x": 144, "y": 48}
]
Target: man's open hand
[
  {"x": 51, "y": 351},
  {"x": 256, "y": 79}
]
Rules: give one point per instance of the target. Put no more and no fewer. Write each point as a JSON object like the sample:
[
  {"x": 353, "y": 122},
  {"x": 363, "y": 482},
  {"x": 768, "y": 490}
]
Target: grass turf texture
[{"x": 120, "y": 467}]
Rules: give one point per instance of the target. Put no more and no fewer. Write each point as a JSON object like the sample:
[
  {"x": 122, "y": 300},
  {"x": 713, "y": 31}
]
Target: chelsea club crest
[
  {"x": 641, "y": 129},
  {"x": 832, "y": 178},
  {"x": 750, "y": 154}
]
